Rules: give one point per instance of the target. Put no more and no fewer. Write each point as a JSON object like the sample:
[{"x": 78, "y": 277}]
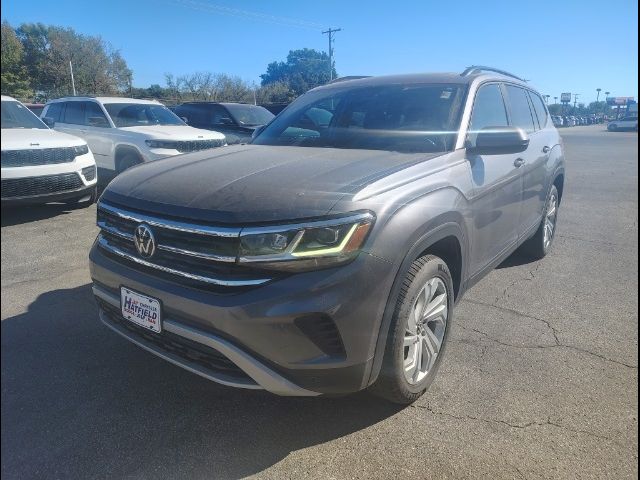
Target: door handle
[
  {"x": 545, "y": 149},
  {"x": 518, "y": 162}
]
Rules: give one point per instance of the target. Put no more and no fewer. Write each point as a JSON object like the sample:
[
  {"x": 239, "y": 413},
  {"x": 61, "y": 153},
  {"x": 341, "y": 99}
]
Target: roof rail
[
  {"x": 351, "y": 77},
  {"x": 481, "y": 68}
]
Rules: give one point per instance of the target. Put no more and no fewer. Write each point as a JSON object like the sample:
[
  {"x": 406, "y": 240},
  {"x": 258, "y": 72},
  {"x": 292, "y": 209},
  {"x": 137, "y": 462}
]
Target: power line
[
  {"x": 330, "y": 32},
  {"x": 213, "y": 8}
]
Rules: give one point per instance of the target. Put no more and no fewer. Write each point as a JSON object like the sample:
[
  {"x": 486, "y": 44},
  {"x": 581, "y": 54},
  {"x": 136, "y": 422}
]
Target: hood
[
  {"x": 35, "y": 138},
  {"x": 244, "y": 184},
  {"x": 174, "y": 132}
]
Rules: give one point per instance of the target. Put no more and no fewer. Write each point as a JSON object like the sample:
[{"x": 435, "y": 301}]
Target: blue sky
[{"x": 570, "y": 46}]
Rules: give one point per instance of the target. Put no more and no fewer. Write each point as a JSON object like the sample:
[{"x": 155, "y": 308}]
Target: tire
[
  {"x": 427, "y": 274},
  {"x": 612, "y": 128},
  {"x": 127, "y": 161},
  {"x": 537, "y": 246}
]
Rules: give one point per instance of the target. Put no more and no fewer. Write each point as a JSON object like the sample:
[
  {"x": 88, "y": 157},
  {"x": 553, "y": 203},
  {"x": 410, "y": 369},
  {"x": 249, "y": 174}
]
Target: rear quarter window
[{"x": 540, "y": 109}]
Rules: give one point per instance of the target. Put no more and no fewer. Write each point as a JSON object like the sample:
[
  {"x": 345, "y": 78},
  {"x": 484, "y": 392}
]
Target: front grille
[
  {"x": 40, "y": 156},
  {"x": 194, "y": 254},
  {"x": 31, "y": 186},
  {"x": 191, "y": 351},
  {"x": 195, "y": 145}
]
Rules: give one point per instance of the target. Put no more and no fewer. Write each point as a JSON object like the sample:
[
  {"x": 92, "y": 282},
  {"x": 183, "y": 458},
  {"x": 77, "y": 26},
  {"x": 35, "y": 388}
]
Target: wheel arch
[
  {"x": 123, "y": 149},
  {"x": 448, "y": 242}
]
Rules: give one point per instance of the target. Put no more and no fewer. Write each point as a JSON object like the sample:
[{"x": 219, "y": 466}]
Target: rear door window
[{"x": 521, "y": 115}]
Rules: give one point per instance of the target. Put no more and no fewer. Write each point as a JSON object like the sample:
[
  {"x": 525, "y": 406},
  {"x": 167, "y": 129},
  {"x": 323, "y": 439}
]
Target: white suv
[
  {"x": 40, "y": 165},
  {"x": 123, "y": 132}
]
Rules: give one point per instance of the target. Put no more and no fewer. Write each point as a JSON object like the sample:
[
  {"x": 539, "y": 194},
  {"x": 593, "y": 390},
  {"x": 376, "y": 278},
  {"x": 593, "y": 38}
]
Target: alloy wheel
[
  {"x": 425, "y": 330},
  {"x": 550, "y": 220}
]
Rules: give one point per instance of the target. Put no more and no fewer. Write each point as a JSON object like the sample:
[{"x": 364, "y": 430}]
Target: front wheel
[{"x": 418, "y": 332}]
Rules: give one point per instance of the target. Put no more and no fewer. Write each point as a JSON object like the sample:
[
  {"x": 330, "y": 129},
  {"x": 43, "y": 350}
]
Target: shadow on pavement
[
  {"x": 30, "y": 213},
  {"x": 516, "y": 259},
  {"x": 78, "y": 401}
]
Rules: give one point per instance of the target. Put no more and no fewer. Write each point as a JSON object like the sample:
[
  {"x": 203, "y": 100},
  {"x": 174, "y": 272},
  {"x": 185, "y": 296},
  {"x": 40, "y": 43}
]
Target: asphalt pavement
[{"x": 540, "y": 378}]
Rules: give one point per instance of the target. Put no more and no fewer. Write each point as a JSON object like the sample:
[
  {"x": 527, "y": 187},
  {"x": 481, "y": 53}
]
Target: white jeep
[
  {"x": 123, "y": 132},
  {"x": 40, "y": 165}
]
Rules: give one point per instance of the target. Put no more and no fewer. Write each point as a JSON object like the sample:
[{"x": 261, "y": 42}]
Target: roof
[
  {"x": 108, "y": 100},
  {"x": 415, "y": 78}
]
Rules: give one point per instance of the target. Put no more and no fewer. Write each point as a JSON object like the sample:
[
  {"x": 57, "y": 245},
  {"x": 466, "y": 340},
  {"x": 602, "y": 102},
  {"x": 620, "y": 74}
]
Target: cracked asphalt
[{"x": 540, "y": 378}]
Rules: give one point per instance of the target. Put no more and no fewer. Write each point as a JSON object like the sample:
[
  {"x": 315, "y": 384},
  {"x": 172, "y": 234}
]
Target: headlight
[
  {"x": 305, "y": 246},
  {"x": 161, "y": 144},
  {"x": 80, "y": 150}
]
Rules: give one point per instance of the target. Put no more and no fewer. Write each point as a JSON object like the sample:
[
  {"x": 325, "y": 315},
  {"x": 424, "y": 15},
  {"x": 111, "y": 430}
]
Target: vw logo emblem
[{"x": 144, "y": 241}]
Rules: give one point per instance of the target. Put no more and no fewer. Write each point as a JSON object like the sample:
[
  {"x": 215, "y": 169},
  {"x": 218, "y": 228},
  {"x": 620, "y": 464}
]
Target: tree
[
  {"x": 276, "y": 92},
  {"x": 13, "y": 80},
  {"x": 303, "y": 70},
  {"x": 98, "y": 68}
]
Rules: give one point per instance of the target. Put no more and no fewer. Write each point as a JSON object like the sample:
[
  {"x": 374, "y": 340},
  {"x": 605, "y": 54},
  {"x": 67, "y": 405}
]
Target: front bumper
[{"x": 263, "y": 330}]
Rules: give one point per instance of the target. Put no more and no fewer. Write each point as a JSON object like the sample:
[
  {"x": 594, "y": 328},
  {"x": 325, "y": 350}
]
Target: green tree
[
  {"x": 276, "y": 92},
  {"x": 13, "y": 79},
  {"x": 303, "y": 70},
  {"x": 98, "y": 68}
]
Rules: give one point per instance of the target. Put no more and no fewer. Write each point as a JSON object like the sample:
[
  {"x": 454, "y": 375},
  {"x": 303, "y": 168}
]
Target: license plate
[{"x": 140, "y": 309}]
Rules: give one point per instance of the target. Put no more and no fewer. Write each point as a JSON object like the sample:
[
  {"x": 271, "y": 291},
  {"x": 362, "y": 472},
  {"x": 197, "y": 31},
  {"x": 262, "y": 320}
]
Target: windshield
[
  {"x": 141, "y": 114},
  {"x": 250, "y": 115},
  {"x": 404, "y": 118},
  {"x": 16, "y": 115}
]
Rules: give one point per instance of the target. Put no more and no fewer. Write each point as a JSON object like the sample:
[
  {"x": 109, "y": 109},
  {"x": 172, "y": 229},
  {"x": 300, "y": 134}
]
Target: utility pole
[
  {"x": 73, "y": 83},
  {"x": 330, "y": 32},
  {"x": 598, "y": 97},
  {"x": 575, "y": 99}
]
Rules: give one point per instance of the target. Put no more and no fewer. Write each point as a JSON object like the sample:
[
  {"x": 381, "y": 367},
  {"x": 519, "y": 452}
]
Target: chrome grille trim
[
  {"x": 168, "y": 248},
  {"x": 104, "y": 243},
  {"x": 154, "y": 221}
]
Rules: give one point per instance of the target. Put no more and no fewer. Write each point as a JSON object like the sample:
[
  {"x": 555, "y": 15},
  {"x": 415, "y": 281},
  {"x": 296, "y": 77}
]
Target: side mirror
[
  {"x": 257, "y": 131},
  {"x": 100, "y": 122},
  {"x": 48, "y": 121},
  {"x": 185, "y": 120},
  {"x": 499, "y": 141}
]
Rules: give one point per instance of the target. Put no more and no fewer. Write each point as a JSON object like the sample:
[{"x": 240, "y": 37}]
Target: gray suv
[{"x": 328, "y": 255}]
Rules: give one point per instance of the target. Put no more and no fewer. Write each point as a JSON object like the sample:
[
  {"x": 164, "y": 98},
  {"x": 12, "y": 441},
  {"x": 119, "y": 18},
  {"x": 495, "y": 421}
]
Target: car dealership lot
[{"x": 540, "y": 379}]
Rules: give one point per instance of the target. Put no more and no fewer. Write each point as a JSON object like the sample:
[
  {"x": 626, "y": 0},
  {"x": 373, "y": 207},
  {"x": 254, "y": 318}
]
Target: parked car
[
  {"x": 626, "y": 123},
  {"x": 237, "y": 121},
  {"x": 328, "y": 256},
  {"x": 36, "y": 108},
  {"x": 557, "y": 121},
  {"x": 123, "y": 132},
  {"x": 40, "y": 165}
]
